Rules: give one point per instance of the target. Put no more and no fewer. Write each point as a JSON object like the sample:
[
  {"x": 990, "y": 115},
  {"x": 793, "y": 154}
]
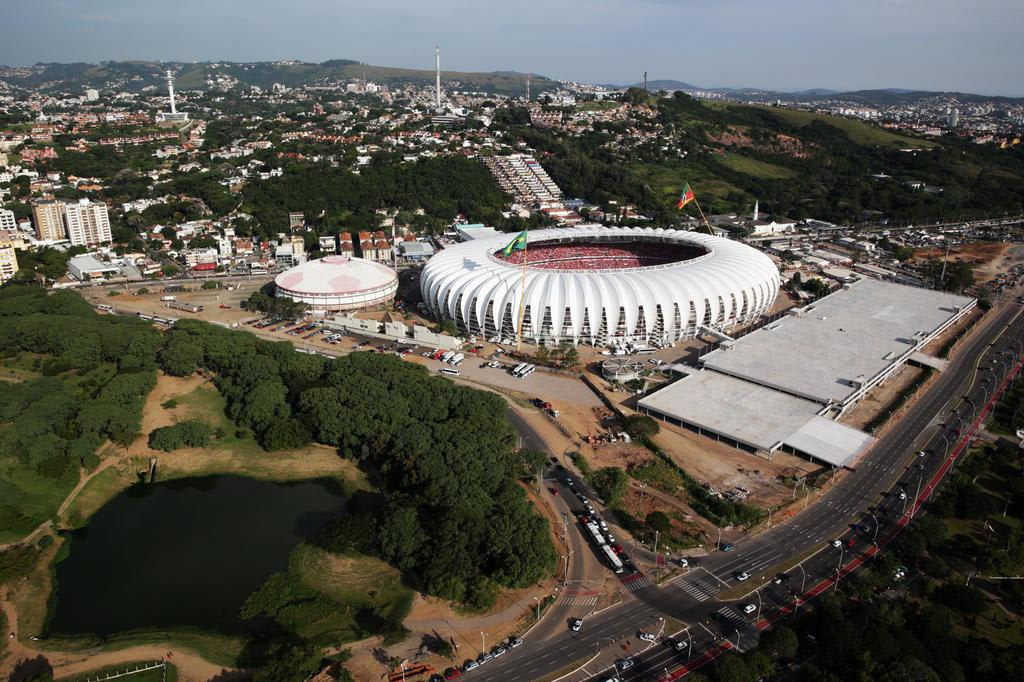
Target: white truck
[
  {"x": 447, "y": 356},
  {"x": 168, "y": 298},
  {"x": 457, "y": 358}
]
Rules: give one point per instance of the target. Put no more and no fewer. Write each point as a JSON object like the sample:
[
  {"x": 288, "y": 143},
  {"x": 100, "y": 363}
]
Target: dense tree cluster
[
  {"x": 444, "y": 455},
  {"x": 92, "y": 388},
  {"x": 443, "y": 187}
]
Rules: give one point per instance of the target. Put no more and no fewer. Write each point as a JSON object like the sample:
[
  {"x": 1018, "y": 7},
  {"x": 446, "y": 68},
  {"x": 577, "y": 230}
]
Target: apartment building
[
  {"x": 7, "y": 221},
  {"x": 8, "y": 257},
  {"x": 87, "y": 222},
  {"x": 48, "y": 217}
]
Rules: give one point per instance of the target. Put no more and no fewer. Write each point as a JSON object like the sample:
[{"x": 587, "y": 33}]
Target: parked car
[
  {"x": 514, "y": 642},
  {"x": 470, "y": 665},
  {"x": 646, "y": 636},
  {"x": 452, "y": 673}
]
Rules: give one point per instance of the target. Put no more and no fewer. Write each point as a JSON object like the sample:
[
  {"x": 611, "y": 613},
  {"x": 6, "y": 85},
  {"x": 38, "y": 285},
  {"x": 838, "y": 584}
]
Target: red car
[
  {"x": 553, "y": 491},
  {"x": 452, "y": 673}
]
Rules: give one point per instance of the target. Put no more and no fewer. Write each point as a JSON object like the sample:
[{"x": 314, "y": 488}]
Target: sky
[{"x": 962, "y": 45}]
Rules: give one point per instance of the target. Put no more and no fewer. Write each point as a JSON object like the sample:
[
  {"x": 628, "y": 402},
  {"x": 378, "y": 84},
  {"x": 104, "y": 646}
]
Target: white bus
[
  {"x": 613, "y": 559},
  {"x": 518, "y": 369},
  {"x": 527, "y": 372},
  {"x": 450, "y": 371},
  {"x": 448, "y": 354}
]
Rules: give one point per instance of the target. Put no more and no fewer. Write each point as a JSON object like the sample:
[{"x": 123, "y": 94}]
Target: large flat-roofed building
[
  {"x": 835, "y": 350},
  {"x": 754, "y": 418},
  {"x": 781, "y": 387}
]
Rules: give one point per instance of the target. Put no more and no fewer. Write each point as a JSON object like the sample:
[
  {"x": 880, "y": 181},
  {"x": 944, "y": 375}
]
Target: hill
[{"x": 136, "y": 76}]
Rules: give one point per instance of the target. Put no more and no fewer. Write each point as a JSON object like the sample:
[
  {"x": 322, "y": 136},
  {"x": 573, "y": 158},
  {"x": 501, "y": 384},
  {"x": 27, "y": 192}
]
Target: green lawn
[
  {"x": 858, "y": 131},
  {"x": 758, "y": 169},
  {"x": 667, "y": 181},
  {"x": 20, "y": 367},
  {"x": 366, "y": 590},
  {"x": 206, "y": 404}
]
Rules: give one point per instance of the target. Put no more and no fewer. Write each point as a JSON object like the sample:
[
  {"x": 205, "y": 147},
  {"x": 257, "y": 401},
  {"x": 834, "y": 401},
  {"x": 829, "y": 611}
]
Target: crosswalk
[
  {"x": 580, "y": 600},
  {"x": 733, "y": 617},
  {"x": 698, "y": 588},
  {"x": 635, "y": 584}
]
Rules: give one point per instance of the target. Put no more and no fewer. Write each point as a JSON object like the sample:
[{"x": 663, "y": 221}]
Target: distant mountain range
[
  {"x": 138, "y": 75},
  {"x": 877, "y": 97},
  {"x": 73, "y": 78}
]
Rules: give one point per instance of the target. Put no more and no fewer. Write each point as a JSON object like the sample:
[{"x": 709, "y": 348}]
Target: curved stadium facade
[{"x": 601, "y": 285}]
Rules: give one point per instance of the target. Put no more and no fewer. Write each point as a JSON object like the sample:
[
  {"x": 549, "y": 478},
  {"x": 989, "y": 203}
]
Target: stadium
[
  {"x": 600, "y": 285},
  {"x": 338, "y": 283}
]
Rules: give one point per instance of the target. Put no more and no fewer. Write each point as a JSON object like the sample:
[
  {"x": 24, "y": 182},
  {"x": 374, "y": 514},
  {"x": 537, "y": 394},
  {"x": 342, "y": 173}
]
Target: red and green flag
[
  {"x": 686, "y": 197},
  {"x": 517, "y": 244}
]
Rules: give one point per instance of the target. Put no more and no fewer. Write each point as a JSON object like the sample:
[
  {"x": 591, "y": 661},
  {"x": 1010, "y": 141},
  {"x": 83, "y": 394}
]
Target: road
[{"x": 854, "y": 497}]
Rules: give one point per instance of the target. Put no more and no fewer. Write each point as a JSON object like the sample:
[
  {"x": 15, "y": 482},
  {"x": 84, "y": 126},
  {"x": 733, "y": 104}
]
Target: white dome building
[
  {"x": 338, "y": 283},
  {"x": 601, "y": 285}
]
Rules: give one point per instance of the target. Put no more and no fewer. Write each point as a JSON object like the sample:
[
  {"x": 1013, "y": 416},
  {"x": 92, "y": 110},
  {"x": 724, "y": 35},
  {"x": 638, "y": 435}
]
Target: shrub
[{"x": 187, "y": 434}]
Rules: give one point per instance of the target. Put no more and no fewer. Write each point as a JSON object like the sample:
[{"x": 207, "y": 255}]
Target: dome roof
[
  {"x": 729, "y": 282},
  {"x": 335, "y": 275}
]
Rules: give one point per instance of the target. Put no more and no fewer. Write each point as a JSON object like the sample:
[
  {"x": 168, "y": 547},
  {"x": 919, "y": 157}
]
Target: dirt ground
[
  {"x": 989, "y": 259},
  {"x": 881, "y": 397},
  {"x": 725, "y": 468}
]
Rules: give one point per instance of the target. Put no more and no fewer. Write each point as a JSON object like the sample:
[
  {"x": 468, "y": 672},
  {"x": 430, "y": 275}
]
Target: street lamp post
[
  {"x": 483, "y": 642},
  {"x": 689, "y": 644},
  {"x": 759, "y": 603},
  {"x": 538, "y": 607}
]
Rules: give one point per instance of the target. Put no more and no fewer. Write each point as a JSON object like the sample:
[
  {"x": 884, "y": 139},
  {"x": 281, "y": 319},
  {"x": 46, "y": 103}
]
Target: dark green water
[{"x": 184, "y": 553}]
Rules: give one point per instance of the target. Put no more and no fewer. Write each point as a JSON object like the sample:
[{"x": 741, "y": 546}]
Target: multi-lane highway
[{"x": 869, "y": 495}]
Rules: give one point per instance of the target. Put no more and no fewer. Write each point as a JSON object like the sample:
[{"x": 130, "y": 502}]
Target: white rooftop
[
  {"x": 825, "y": 351},
  {"x": 757, "y": 416}
]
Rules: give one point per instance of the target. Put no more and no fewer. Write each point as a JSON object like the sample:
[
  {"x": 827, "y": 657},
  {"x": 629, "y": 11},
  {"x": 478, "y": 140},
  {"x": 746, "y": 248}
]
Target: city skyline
[{"x": 940, "y": 46}]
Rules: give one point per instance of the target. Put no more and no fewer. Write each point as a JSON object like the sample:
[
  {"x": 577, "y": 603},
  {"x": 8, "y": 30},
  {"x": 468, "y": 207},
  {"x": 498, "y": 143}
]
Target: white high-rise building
[
  {"x": 7, "y": 221},
  {"x": 87, "y": 223}
]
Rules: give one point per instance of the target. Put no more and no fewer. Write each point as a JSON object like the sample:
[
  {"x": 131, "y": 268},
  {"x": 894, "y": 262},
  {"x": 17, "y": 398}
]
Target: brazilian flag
[{"x": 517, "y": 244}]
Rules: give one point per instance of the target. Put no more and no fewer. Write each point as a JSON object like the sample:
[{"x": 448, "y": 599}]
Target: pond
[{"x": 184, "y": 553}]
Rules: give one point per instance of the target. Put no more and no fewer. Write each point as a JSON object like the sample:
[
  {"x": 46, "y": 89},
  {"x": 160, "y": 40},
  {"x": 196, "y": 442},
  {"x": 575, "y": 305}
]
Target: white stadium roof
[
  {"x": 729, "y": 283},
  {"x": 338, "y": 283}
]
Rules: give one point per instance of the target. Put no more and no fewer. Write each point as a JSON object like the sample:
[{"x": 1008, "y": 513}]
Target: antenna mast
[
  {"x": 528, "y": 87},
  {"x": 437, "y": 79}
]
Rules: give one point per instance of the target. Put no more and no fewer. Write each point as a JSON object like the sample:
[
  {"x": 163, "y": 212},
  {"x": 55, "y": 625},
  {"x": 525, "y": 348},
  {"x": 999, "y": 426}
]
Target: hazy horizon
[{"x": 941, "y": 45}]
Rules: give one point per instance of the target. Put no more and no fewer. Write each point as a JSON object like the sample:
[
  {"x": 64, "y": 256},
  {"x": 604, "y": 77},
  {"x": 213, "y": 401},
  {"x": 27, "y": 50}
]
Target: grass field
[
  {"x": 667, "y": 181},
  {"x": 366, "y": 590},
  {"x": 858, "y": 131},
  {"x": 20, "y": 367},
  {"x": 758, "y": 169}
]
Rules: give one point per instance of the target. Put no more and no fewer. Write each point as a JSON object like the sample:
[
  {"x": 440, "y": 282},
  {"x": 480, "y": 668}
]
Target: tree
[
  {"x": 187, "y": 434},
  {"x": 659, "y": 521},
  {"x": 780, "y": 641},
  {"x": 641, "y": 426},
  {"x": 610, "y": 483}
]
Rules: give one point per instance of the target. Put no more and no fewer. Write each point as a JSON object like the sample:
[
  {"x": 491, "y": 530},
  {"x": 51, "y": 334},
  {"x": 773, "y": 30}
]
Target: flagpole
[
  {"x": 702, "y": 217},
  {"x": 522, "y": 295}
]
